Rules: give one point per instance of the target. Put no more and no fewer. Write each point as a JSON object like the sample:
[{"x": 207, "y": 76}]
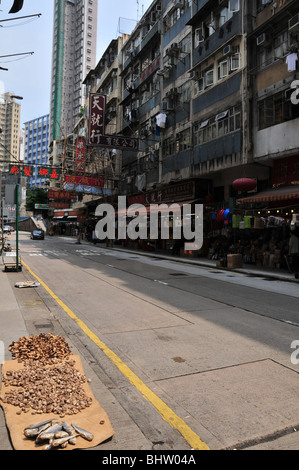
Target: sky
[{"x": 29, "y": 76}]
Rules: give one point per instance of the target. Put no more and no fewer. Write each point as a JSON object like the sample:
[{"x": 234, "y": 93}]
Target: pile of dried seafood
[
  {"x": 44, "y": 348},
  {"x": 53, "y": 389}
]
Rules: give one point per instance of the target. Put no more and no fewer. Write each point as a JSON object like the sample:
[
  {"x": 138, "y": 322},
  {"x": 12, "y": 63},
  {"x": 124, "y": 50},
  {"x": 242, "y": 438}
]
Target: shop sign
[
  {"x": 80, "y": 155},
  {"x": 29, "y": 171},
  {"x": 285, "y": 172},
  {"x": 96, "y": 127},
  {"x": 85, "y": 181},
  {"x": 176, "y": 192},
  {"x": 58, "y": 205},
  {"x": 138, "y": 199},
  {"x": 41, "y": 206},
  {"x": 58, "y": 194}
]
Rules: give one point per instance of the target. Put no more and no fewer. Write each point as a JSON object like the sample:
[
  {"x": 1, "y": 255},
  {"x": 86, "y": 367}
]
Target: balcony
[{"x": 221, "y": 36}]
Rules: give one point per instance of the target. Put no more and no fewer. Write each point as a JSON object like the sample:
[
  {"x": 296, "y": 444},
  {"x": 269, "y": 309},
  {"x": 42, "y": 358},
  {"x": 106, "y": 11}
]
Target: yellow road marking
[{"x": 167, "y": 413}]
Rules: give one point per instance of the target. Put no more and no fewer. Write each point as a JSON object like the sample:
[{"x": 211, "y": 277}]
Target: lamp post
[{"x": 17, "y": 204}]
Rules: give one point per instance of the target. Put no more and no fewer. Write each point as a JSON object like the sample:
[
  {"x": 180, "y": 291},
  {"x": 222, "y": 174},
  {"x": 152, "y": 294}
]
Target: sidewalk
[{"x": 12, "y": 326}]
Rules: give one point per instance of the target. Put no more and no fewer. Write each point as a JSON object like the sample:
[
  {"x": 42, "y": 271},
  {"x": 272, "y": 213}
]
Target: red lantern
[{"x": 244, "y": 184}]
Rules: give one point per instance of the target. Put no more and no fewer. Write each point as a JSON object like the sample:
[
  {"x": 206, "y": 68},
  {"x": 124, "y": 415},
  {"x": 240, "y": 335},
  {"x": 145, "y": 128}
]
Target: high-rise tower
[
  {"x": 74, "y": 55},
  {"x": 10, "y": 112}
]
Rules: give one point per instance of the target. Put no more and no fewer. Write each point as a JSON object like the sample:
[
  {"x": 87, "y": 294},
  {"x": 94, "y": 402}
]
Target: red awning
[{"x": 280, "y": 194}]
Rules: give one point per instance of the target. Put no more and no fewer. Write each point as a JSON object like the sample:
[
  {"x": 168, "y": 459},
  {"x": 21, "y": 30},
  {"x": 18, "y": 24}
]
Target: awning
[{"x": 280, "y": 194}]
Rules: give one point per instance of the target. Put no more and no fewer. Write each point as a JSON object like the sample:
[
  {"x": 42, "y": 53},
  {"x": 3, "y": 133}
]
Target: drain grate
[
  {"x": 43, "y": 326},
  {"x": 177, "y": 274}
]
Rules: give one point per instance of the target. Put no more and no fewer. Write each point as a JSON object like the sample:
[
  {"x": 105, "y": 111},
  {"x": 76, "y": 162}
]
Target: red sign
[
  {"x": 85, "y": 181},
  {"x": 80, "y": 155},
  {"x": 57, "y": 194}
]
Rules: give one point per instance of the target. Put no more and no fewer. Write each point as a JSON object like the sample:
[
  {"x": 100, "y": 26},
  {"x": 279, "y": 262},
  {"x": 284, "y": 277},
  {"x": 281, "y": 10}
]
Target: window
[
  {"x": 223, "y": 69},
  {"x": 234, "y": 5},
  {"x": 276, "y": 109},
  {"x": 235, "y": 61},
  {"x": 217, "y": 126},
  {"x": 209, "y": 77}
]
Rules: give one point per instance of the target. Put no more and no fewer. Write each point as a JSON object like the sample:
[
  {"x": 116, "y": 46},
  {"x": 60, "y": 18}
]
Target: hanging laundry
[
  {"x": 291, "y": 61},
  {"x": 161, "y": 120}
]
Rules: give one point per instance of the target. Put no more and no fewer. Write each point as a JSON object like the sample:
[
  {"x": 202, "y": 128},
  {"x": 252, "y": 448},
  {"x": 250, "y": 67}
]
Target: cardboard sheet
[{"x": 90, "y": 418}]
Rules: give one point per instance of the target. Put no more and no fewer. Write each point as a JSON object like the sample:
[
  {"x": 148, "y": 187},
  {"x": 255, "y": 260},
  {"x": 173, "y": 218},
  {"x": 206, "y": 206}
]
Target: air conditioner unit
[
  {"x": 263, "y": 40},
  {"x": 294, "y": 22},
  {"x": 226, "y": 50}
]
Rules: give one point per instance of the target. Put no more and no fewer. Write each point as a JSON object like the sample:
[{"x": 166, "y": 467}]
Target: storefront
[
  {"x": 66, "y": 222},
  {"x": 267, "y": 218}
]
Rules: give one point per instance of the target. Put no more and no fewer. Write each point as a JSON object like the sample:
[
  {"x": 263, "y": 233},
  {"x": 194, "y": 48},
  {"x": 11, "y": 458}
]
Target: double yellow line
[{"x": 167, "y": 414}]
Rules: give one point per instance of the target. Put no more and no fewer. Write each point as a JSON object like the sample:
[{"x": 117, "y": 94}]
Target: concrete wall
[{"x": 282, "y": 139}]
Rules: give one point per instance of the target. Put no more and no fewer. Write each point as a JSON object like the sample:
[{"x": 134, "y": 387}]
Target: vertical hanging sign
[
  {"x": 80, "y": 155},
  {"x": 96, "y": 128},
  {"x": 97, "y": 105}
]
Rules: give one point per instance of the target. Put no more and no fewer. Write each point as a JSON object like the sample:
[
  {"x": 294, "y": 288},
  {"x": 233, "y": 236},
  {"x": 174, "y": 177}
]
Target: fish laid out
[{"x": 58, "y": 434}]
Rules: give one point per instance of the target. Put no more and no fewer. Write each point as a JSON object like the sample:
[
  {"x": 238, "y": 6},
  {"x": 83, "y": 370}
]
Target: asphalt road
[{"x": 214, "y": 346}]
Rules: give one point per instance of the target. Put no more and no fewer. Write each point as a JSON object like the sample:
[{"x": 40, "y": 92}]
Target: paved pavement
[{"x": 12, "y": 326}]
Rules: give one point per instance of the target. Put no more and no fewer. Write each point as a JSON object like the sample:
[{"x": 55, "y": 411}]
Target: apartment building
[
  {"x": 10, "y": 112},
  {"x": 103, "y": 163},
  {"x": 36, "y": 145},
  {"x": 274, "y": 47},
  {"x": 185, "y": 91},
  {"x": 74, "y": 55}
]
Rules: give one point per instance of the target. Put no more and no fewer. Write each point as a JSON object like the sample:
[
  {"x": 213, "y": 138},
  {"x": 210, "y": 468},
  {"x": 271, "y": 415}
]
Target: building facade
[
  {"x": 211, "y": 91},
  {"x": 74, "y": 55},
  {"x": 36, "y": 145},
  {"x": 10, "y": 112}
]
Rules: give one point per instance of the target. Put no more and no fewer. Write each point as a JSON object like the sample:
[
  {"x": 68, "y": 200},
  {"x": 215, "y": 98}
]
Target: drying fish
[
  {"x": 39, "y": 425},
  {"x": 31, "y": 432},
  {"x": 59, "y": 442},
  {"x": 82, "y": 432},
  {"x": 45, "y": 436},
  {"x": 73, "y": 441},
  {"x": 60, "y": 434},
  {"x": 55, "y": 428},
  {"x": 49, "y": 446},
  {"x": 67, "y": 427}
]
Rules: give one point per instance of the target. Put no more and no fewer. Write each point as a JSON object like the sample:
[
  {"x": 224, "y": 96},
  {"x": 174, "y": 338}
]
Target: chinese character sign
[
  {"x": 29, "y": 170},
  {"x": 97, "y": 105},
  {"x": 96, "y": 130},
  {"x": 80, "y": 155}
]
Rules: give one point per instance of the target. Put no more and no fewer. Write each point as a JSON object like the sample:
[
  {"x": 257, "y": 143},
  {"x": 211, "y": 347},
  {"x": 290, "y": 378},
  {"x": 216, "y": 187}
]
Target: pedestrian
[{"x": 293, "y": 244}]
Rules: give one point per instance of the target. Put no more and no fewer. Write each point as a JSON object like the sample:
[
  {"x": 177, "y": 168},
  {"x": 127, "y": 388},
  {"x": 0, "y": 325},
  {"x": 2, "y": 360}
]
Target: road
[{"x": 203, "y": 355}]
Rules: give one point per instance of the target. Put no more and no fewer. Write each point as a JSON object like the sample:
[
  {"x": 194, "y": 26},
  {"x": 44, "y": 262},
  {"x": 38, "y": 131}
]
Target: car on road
[
  {"x": 37, "y": 235},
  {"x": 7, "y": 229}
]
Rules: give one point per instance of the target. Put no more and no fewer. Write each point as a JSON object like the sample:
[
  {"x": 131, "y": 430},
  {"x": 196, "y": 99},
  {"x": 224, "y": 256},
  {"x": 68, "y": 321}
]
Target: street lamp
[{"x": 17, "y": 205}]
